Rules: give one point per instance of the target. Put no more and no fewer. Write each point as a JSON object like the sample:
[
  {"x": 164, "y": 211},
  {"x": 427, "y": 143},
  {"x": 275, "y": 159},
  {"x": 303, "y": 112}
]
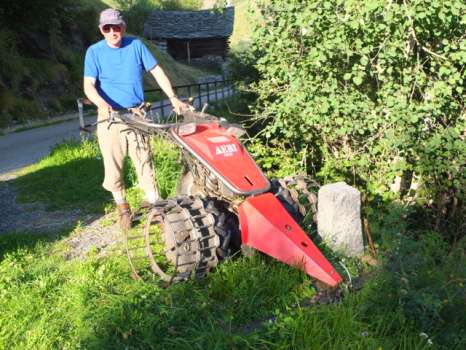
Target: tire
[
  {"x": 298, "y": 196},
  {"x": 226, "y": 226},
  {"x": 189, "y": 240},
  {"x": 284, "y": 196}
]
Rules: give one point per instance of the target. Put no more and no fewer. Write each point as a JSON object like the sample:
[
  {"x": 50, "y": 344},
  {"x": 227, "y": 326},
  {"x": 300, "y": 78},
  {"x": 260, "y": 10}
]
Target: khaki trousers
[{"x": 115, "y": 144}]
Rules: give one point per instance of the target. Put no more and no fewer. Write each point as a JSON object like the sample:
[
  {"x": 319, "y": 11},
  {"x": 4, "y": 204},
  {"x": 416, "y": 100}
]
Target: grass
[
  {"x": 242, "y": 27},
  {"x": 79, "y": 168},
  {"x": 248, "y": 303},
  {"x": 178, "y": 73},
  {"x": 413, "y": 297}
]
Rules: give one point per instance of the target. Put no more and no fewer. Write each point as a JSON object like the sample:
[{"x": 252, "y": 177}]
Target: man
[{"x": 113, "y": 73}]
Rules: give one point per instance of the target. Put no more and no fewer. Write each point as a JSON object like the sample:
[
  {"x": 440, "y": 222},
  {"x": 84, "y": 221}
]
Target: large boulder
[{"x": 339, "y": 218}]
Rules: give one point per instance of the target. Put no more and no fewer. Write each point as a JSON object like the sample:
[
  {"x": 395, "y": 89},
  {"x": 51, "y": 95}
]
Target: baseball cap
[{"x": 111, "y": 16}]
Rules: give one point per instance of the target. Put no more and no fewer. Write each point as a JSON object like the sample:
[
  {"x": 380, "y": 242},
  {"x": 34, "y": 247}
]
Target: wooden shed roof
[{"x": 189, "y": 24}]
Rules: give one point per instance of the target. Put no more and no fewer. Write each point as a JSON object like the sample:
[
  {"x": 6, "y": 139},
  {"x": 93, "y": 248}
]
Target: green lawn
[
  {"x": 247, "y": 303},
  {"x": 414, "y": 297}
]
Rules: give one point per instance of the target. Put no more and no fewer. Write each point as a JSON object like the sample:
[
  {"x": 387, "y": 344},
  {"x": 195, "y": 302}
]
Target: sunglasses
[{"x": 115, "y": 27}]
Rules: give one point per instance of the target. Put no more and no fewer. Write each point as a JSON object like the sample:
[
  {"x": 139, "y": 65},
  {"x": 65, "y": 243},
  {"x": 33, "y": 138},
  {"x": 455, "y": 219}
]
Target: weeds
[
  {"x": 413, "y": 299},
  {"x": 48, "y": 302}
]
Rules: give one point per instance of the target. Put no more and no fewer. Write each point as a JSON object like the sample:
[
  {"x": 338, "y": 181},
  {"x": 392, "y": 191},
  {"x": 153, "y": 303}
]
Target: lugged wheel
[
  {"x": 188, "y": 237},
  {"x": 298, "y": 195},
  {"x": 226, "y": 226}
]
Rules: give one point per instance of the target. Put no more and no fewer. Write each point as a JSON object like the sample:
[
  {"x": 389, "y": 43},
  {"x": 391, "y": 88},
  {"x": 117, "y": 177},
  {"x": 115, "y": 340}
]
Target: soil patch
[
  {"x": 98, "y": 236},
  {"x": 33, "y": 217},
  {"x": 96, "y": 232}
]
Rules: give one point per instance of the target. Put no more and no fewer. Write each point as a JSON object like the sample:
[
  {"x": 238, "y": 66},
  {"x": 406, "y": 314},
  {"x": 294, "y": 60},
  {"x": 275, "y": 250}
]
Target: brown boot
[{"x": 124, "y": 214}]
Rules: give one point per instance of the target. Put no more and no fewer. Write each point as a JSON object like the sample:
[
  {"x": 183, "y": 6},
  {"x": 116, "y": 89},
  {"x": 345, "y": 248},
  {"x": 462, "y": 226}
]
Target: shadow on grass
[
  {"x": 20, "y": 241},
  {"x": 75, "y": 184},
  {"x": 49, "y": 199}
]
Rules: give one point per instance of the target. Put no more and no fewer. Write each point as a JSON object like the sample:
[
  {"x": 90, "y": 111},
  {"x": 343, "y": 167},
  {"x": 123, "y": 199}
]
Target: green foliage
[
  {"x": 375, "y": 88},
  {"x": 425, "y": 282},
  {"x": 167, "y": 164},
  {"x": 40, "y": 70},
  {"x": 242, "y": 70},
  {"x": 135, "y": 13},
  {"x": 31, "y": 14},
  {"x": 248, "y": 303},
  {"x": 181, "y": 4},
  {"x": 245, "y": 16},
  {"x": 276, "y": 159},
  {"x": 167, "y": 167}
]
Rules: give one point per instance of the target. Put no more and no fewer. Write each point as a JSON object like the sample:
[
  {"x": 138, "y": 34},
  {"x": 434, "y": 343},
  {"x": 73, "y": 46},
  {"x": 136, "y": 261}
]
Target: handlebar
[
  {"x": 188, "y": 117},
  {"x": 136, "y": 119}
]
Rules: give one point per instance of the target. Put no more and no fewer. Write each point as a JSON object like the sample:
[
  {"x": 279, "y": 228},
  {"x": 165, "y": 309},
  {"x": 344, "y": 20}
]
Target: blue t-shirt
[{"x": 119, "y": 71}]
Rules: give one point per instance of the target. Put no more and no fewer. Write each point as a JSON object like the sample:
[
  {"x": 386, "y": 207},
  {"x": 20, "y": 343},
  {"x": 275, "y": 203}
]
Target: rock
[{"x": 339, "y": 218}]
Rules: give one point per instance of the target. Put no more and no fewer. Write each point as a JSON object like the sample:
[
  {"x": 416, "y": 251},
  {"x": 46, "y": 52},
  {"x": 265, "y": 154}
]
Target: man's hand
[
  {"x": 162, "y": 79},
  {"x": 104, "y": 109},
  {"x": 180, "y": 106}
]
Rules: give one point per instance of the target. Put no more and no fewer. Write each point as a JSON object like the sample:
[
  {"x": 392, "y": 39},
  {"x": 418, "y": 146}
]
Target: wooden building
[{"x": 191, "y": 34}]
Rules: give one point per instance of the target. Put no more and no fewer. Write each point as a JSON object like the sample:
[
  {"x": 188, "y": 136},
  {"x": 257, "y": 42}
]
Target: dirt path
[
  {"x": 88, "y": 232},
  {"x": 33, "y": 217}
]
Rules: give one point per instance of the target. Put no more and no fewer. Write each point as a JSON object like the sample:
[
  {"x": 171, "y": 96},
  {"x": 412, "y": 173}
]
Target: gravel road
[{"x": 23, "y": 148}]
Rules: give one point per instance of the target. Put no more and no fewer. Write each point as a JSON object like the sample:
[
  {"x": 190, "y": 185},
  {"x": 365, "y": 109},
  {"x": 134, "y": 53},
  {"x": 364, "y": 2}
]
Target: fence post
[
  {"x": 208, "y": 93},
  {"x": 199, "y": 95},
  {"x": 82, "y": 133}
]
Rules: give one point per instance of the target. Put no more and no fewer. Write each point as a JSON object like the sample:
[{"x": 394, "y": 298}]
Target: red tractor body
[
  {"x": 265, "y": 224},
  {"x": 267, "y": 227},
  {"x": 222, "y": 153},
  {"x": 223, "y": 197}
]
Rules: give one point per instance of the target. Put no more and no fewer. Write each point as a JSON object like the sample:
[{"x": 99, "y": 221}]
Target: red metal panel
[
  {"x": 267, "y": 227},
  {"x": 226, "y": 156}
]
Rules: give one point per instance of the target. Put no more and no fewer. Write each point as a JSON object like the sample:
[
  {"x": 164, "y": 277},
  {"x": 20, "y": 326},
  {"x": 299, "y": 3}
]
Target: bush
[
  {"x": 424, "y": 281},
  {"x": 42, "y": 45},
  {"x": 375, "y": 90}
]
